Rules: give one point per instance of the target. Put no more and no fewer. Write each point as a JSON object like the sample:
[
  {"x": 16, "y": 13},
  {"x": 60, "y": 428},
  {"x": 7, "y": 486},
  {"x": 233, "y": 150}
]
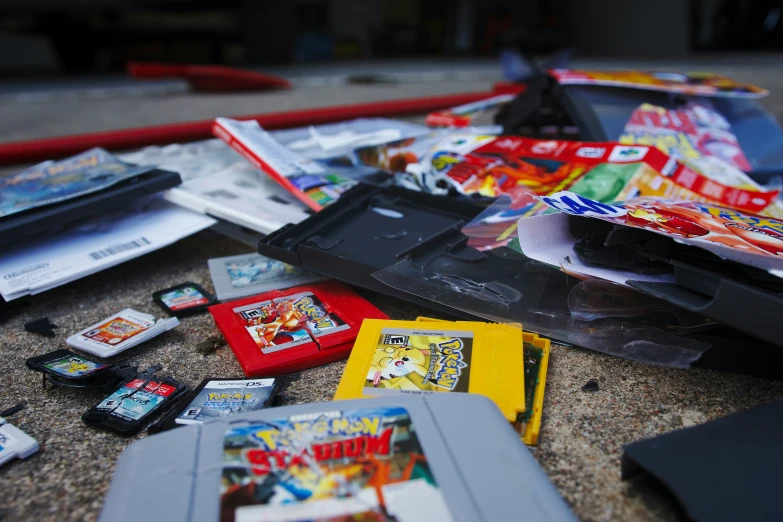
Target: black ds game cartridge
[{"x": 134, "y": 404}]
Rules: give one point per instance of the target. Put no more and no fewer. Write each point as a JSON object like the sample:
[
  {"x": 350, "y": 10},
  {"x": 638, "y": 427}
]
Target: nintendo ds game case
[
  {"x": 34, "y": 221},
  {"x": 370, "y": 228},
  {"x": 407, "y": 459},
  {"x": 698, "y": 466},
  {"x": 410, "y": 245}
]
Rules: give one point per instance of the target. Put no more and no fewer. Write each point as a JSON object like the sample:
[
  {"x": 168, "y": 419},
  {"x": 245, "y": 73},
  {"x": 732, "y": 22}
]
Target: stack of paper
[
  {"x": 241, "y": 195},
  {"x": 218, "y": 182}
]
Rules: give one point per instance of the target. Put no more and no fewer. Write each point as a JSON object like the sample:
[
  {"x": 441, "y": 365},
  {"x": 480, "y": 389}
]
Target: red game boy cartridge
[{"x": 285, "y": 331}]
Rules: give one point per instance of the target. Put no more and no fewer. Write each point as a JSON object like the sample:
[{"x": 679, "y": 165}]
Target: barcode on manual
[{"x": 120, "y": 247}]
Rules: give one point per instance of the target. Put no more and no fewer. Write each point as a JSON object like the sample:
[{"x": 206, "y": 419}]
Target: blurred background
[
  {"x": 64, "y": 64},
  {"x": 51, "y": 37}
]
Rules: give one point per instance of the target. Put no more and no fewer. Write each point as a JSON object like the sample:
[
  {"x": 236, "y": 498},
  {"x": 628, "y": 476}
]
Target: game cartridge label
[
  {"x": 183, "y": 297},
  {"x": 219, "y": 398},
  {"x": 419, "y": 361},
  {"x": 288, "y": 321},
  {"x": 361, "y": 464},
  {"x": 131, "y": 402},
  {"x": 259, "y": 270},
  {"x": 73, "y": 366},
  {"x": 116, "y": 330}
]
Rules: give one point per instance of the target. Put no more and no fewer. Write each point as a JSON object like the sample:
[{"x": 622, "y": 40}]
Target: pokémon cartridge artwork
[
  {"x": 357, "y": 464},
  {"x": 413, "y": 458},
  {"x": 289, "y": 330},
  {"x": 394, "y": 358}
]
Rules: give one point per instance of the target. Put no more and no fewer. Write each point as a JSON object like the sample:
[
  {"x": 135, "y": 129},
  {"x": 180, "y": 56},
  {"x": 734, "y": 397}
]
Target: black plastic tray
[
  {"x": 354, "y": 237},
  {"x": 414, "y": 239},
  {"x": 743, "y": 297}
]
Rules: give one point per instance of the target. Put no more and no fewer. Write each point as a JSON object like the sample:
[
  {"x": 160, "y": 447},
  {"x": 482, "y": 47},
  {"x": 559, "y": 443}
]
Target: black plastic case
[
  {"x": 743, "y": 297},
  {"x": 354, "y": 237},
  {"x": 697, "y": 467},
  {"x": 412, "y": 240},
  {"x": 351, "y": 240},
  {"x": 48, "y": 218}
]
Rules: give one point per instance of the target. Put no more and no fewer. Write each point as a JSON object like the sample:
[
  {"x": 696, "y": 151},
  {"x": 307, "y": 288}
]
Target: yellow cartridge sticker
[
  {"x": 419, "y": 360},
  {"x": 392, "y": 358}
]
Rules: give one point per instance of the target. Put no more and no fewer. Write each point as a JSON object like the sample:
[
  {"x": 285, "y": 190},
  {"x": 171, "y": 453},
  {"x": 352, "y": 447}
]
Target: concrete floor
[{"x": 582, "y": 434}]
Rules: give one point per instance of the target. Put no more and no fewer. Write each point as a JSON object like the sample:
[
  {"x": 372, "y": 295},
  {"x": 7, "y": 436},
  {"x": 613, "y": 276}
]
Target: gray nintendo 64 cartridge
[{"x": 435, "y": 458}]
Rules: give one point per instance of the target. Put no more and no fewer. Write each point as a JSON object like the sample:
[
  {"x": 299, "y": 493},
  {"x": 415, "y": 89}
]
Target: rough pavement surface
[{"x": 582, "y": 433}]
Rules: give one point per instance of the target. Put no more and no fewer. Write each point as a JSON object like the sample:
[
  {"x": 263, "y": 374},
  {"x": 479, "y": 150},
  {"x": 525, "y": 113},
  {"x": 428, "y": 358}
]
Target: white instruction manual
[{"x": 218, "y": 181}]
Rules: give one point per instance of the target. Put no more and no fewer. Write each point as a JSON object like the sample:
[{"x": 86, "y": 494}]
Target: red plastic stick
[
  {"x": 209, "y": 78},
  {"x": 53, "y": 148}
]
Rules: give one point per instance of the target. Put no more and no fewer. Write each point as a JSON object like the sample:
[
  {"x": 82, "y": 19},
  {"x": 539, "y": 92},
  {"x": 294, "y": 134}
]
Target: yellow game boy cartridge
[
  {"x": 412, "y": 357},
  {"x": 536, "y": 356}
]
